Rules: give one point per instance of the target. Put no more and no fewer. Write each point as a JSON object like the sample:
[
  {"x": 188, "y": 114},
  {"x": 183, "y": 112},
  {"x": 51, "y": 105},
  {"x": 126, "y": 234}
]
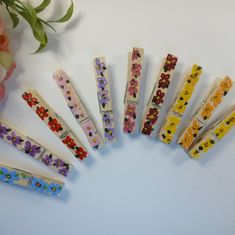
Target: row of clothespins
[{"x": 196, "y": 139}]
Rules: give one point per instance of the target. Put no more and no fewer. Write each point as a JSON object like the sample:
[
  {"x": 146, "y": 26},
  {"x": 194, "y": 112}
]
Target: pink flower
[
  {"x": 133, "y": 87},
  {"x": 4, "y": 42},
  {"x": 131, "y": 111},
  {"x": 128, "y": 125},
  {"x": 2, "y": 91}
]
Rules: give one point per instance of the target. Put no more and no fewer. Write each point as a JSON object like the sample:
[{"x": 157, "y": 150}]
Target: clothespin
[
  {"x": 56, "y": 124},
  {"x": 179, "y": 106},
  {"x": 219, "y": 90},
  {"x": 78, "y": 109},
  {"x": 29, "y": 180},
  {"x": 215, "y": 133},
  {"x": 105, "y": 99},
  {"x": 33, "y": 149},
  {"x": 132, "y": 94},
  {"x": 158, "y": 96}
]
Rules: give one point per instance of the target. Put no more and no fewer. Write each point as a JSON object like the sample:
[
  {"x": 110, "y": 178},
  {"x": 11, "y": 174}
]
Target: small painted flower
[
  {"x": 100, "y": 67},
  {"x": 38, "y": 185},
  {"x": 152, "y": 115},
  {"x": 136, "y": 55},
  {"x": 128, "y": 125},
  {"x": 42, "y": 112},
  {"x": 30, "y": 99},
  {"x": 133, "y": 88},
  {"x": 136, "y": 70},
  {"x": 54, "y": 125},
  {"x": 16, "y": 140},
  {"x": 158, "y": 98},
  {"x": 109, "y": 133},
  {"x": 102, "y": 82},
  {"x": 131, "y": 111},
  {"x": 81, "y": 153},
  {"x": 107, "y": 119},
  {"x": 3, "y": 130},
  {"x": 63, "y": 171},
  {"x": 70, "y": 142},
  {"x": 207, "y": 111},
  {"x": 47, "y": 160},
  {"x": 103, "y": 97},
  {"x": 8, "y": 176},
  {"x": 226, "y": 85},
  {"x": 164, "y": 81},
  {"x": 59, "y": 163},
  {"x": 31, "y": 149},
  {"x": 54, "y": 189},
  {"x": 147, "y": 129},
  {"x": 170, "y": 63}
]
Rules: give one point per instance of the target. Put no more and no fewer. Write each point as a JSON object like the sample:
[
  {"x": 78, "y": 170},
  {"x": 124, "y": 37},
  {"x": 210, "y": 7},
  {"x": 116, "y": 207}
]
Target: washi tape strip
[
  {"x": 158, "y": 95},
  {"x": 179, "y": 106},
  {"x": 78, "y": 109},
  {"x": 215, "y": 133},
  {"x": 105, "y": 99},
  {"x": 30, "y": 180},
  {"x": 33, "y": 149},
  {"x": 219, "y": 90},
  {"x": 132, "y": 94},
  {"x": 56, "y": 124}
]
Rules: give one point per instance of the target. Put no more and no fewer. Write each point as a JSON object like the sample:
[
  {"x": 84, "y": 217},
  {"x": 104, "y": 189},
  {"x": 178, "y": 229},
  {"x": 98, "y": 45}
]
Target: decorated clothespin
[
  {"x": 33, "y": 149},
  {"x": 29, "y": 180},
  {"x": 179, "y": 106},
  {"x": 78, "y": 109},
  {"x": 219, "y": 90},
  {"x": 215, "y": 133},
  {"x": 158, "y": 96},
  {"x": 131, "y": 99},
  {"x": 56, "y": 124},
  {"x": 105, "y": 99}
]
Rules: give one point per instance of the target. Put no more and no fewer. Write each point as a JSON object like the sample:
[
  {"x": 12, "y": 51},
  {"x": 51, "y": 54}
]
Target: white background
[{"x": 138, "y": 186}]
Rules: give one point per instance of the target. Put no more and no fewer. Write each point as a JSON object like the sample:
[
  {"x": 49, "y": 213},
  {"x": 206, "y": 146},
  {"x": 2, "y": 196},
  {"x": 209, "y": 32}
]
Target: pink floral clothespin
[{"x": 7, "y": 64}]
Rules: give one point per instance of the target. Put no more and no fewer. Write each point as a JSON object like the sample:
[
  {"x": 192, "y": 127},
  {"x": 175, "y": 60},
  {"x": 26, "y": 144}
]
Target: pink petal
[
  {"x": 2, "y": 91},
  {"x": 10, "y": 71}
]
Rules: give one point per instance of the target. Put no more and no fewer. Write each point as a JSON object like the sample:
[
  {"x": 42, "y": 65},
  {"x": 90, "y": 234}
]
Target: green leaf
[
  {"x": 42, "y": 6},
  {"x": 39, "y": 33},
  {"x": 41, "y": 46},
  {"x": 29, "y": 13},
  {"x": 67, "y": 15},
  {"x": 14, "y": 17}
]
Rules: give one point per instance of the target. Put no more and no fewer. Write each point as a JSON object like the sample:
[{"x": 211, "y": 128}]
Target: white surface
[{"x": 139, "y": 186}]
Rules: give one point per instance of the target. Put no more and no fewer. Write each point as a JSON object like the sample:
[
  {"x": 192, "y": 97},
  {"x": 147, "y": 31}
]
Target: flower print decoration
[
  {"x": 14, "y": 139},
  {"x": 38, "y": 185},
  {"x": 54, "y": 189},
  {"x": 70, "y": 142},
  {"x": 81, "y": 153},
  {"x": 136, "y": 70},
  {"x": 158, "y": 98},
  {"x": 164, "y": 81},
  {"x": 103, "y": 97},
  {"x": 47, "y": 160},
  {"x": 31, "y": 149},
  {"x": 28, "y": 97},
  {"x": 42, "y": 112},
  {"x": 151, "y": 119},
  {"x": 170, "y": 63},
  {"x": 107, "y": 119},
  {"x": 8, "y": 176},
  {"x": 133, "y": 88},
  {"x": 129, "y": 125},
  {"x": 54, "y": 125},
  {"x": 3, "y": 131}
]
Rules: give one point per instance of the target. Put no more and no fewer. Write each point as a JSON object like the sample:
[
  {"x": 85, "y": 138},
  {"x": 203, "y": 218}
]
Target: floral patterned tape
[
  {"x": 103, "y": 84},
  {"x": 56, "y": 124},
  {"x": 33, "y": 149},
  {"x": 78, "y": 109},
  {"x": 92, "y": 134},
  {"x": 163, "y": 81},
  {"x": 169, "y": 129},
  {"x": 215, "y": 134},
  {"x": 158, "y": 95},
  {"x": 198, "y": 123},
  {"x": 133, "y": 89},
  {"x": 185, "y": 94},
  {"x": 73, "y": 100},
  {"x": 29, "y": 180},
  {"x": 105, "y": 99},
  {"x": 134, "y": 75}
]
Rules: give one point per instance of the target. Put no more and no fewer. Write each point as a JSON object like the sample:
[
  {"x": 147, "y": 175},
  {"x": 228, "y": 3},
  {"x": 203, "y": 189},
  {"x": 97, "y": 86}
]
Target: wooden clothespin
[
  {"x": 105, "y": 99},
  {"x": 159, "y": 93},
  {"x": 29, "y": 180},
  {"x": 132, "y": 94},
  {"x": 215, "y": 133},
  {"x": 56, "y": 124},
  {"x": 78, "y": 109},
  {"x": 179, "y": 106},
  {"x": 33, "y": 149},
  {"x": 219, "y": 90}
]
